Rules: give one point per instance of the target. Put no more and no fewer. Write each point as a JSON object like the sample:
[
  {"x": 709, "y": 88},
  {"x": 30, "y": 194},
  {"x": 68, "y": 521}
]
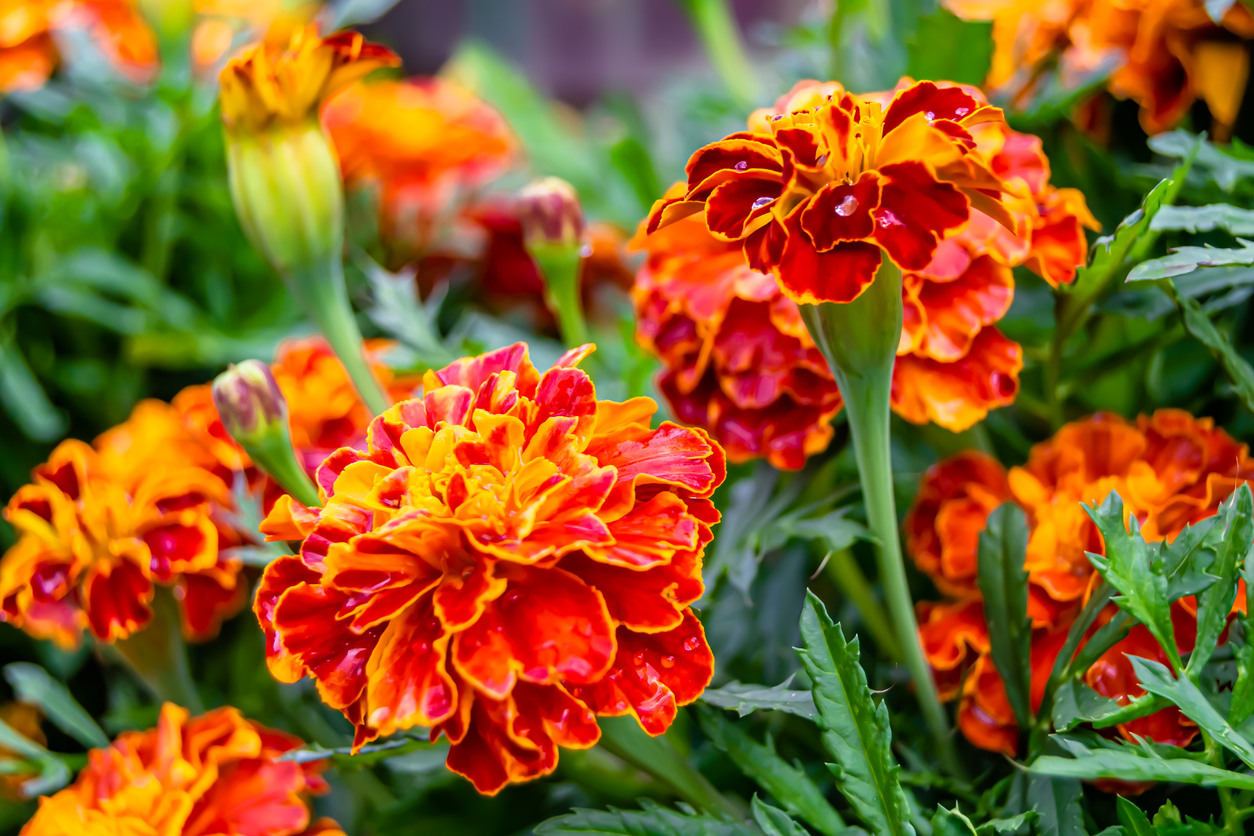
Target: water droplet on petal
[
  {"x": 741, "y": 166},
  {"x": 847, "y": 206},
  {"x": 762, "y": 201},
  {"x": 668, "y": 661},
  {"x": 585, "y": 251},
  {"x": 822, "y": 161},
  {"x": 777, "y": 118},
  {"x": 886, "y": 218},
  {"x": 692, "y": 643},
  {"x": 929, "y": 116},
  {"x": 963, "y": 111}
]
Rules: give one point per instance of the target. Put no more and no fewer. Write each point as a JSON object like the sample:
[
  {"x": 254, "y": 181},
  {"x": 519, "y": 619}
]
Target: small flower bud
[
  {"x": 550, "y": 213},
  {"x": 249, "y": 401}
]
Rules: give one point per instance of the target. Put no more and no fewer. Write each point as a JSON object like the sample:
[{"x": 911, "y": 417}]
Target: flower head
[
  {"x": 28, "y": 51},
  {"x": 217, "y": 773},
  {"x": 550, "y": 213},
  {"x": 285, "y": 84},
  {"x": 249, "y": 400},
  {"x": 819, "y": 189},
  {"x": 508, "y": 558},
  {"x": 1171, "y": 470}
]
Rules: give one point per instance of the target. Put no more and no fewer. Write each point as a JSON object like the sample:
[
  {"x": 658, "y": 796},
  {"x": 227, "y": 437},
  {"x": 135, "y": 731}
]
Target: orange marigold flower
[
  {"x": 217, "y": 773},
  {"x": 1171, "y": 469},
  {"x": 816, "y": 191},
  {"x": 425, "y": 143},
  {"x": 28, "y": 53},
  {"x": 271, "y": 83},
  {"x": 1167, "y": 52},
  {"x": 509, "y": 558}
]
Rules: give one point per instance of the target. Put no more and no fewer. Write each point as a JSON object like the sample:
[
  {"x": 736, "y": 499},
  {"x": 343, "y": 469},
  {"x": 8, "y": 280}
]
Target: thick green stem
[
  {"x": 720, "y": 37},
  {"x": 1232, "y": 816},
  {"x": 848, "y": 577},
  {"x": 157, "y": 656},
  {"x": 276, "y": 457},
  {"x": 623, "y": 737},
  {"x": 320, "y": 291},
  {"x": 559, "y": 264},
  {"x": 859, "y": 340}
]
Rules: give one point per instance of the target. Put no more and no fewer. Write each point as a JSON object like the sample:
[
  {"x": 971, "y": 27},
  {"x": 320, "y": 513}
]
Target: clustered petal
[
  {"x": 1165, "y": 53},
  {"x": 508, "y": 559},
  {"x": 1171, "y": 469},
  {"x": 213, "y": 774},
  {"x": 150, "y": 503}
]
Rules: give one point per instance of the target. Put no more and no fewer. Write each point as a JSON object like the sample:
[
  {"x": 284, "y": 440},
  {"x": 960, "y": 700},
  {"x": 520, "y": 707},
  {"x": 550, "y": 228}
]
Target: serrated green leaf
[
  {"x": 1142, "y": 706},
  {"x": 1234, "y": 533},
  {"x": 1110, "y": 251},
  {"x": 773, "y": 821},
  {"x": 1106, "y": 637},
  {"x": 1057, "y": 803},
  {"x": 1003, "y": 581},
  {"x": 855, "y": 730},
  {"x": 1157, "y": 679},
  {"x": 744, "y": 698},
  {"x": 789, "y": 785},
  {"x": 32, "y": 685},
  {"x": 1134, "y": 821},
  {"x": 1241, "y": 708},
  {"x": 1224, "y": 169},
  {"x": 1076, "y": 703},
  {"x": 1205, "y": 218},
  {"x": 998, "y": 827},
  {"x": 651, "y": 820},
  {"x": 951, "y": 823},
  {"x": 1128, "y": 568},
  {"x": 1184, "y": 260},
  {"x": 1133, "y": 763}
]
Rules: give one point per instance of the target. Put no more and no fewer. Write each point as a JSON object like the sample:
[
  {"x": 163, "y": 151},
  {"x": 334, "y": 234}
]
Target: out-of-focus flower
[
  {"x": 508, "y": 559},
  {"x": 427, "y": 145},
  {"x": 1171, "y": 470},
  {"x": 550, "y": 213},
  {"x": 217, "y": 773},
  {"x": 1167, "y": 53},
  {"x": 222, "y": 23},
  {"x": 26, "y": 721},
  {"x": 29, "y": 30},
  {"x": 819, "y": 188}
]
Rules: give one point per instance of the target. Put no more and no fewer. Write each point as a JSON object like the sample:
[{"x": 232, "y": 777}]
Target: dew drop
[
  {"x": 929, "y": 116},
  {"x": 886, "y": 219},
  {"x": 668, "y": 661},
  {"x": 762, "y": 201},
  {"x": 585, "y": 251},
  {"x": 821, "y": 161},
  {"x": 847, "y": 206},
  {"x": 421, "y": 647},
  {"x": 741, "y": 166},
  {"x": 468, "y": 572},
  {"x": 638, "y": 658},
  {"x": 1003, "y": 384},
  {"x": 777, "y": 118},
  {"x": 691, "y": 643},
  {"x": 963, "y": 111}
]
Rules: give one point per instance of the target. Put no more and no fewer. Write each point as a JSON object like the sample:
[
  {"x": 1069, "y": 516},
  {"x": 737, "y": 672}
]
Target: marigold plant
[
  {"x": 508, "y": 559},
  {"x": 217, "y": 773}
]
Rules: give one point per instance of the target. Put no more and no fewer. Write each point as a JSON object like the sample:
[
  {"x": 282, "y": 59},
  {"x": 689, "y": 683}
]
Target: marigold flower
[
  {"x": 508, "y": 559},
  {"x": 1168, "y": 52},
  {"x": 28, "y": 53},
  {"x": 1171, "y": 469},
  {"x": 819, "y": 189},
  {"x": 217, "y": 773}
]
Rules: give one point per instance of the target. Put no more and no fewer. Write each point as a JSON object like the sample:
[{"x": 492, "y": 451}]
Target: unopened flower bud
[
  {"x": 550, "y": 213},
  {"x": 254, "y": 412},
  {"x": 249, "y": 401}
]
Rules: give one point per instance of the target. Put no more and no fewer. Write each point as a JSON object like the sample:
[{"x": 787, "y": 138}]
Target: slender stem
[
  {"x": 622, "y": 736},
  {"x": 276, "y": 457},
  {"x": 845, "y": 573},
  {"x": 321, "y": 292},
  {"x": 559, "y": 263},
  {"x": 1232, "y": 816},
  {"x": 157, "y": 656},
  {"x": 720, "y": 36}
]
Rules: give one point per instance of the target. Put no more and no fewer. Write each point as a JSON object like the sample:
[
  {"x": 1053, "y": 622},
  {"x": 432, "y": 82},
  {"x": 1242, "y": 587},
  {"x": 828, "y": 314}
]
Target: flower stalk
[
  {"x": 859, "y": 340},
  {"x": 158, "y": 657}
]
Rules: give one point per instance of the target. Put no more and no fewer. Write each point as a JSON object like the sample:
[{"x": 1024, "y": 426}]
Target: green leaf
[
  {"x": 652, "y": 820},
  {"x": 773, "y": 821},
  {"x": 1157, "y": 679},
  {"x": 1106, "y": 637},
  {"x": 951, "y": 823},
  {"x": 787, "y": 784},
  {"x": 54, "y": 773},
  {"x": 1224, "y": 169},
  {"x": 32, "y": 685},
  {"x": 1057, "y": 802},
  {"x": 1134, "y": 821},
  {"x": 1242, "y": 705},
  {"x": 1205, "y": 218},
  {"x": 1134, "y": 763},
  {"x": 1199, "y": 326},
  {"x": 23, "y": 397},
  {"x": 745, "y": 699},
  {"x": 343, "y": 757},
  {"x": 1004, "y": 583},
  {"x": 998, "y": 827},
  {"x": 1184, "y": 260},
  {"x": 855, "y": 730},
  {"x": 1128, "y": 568},
  {"x": 396, "y": 308},
  {"x": 1214, "y": 603},
  {"x": 1076, "y": 703}
]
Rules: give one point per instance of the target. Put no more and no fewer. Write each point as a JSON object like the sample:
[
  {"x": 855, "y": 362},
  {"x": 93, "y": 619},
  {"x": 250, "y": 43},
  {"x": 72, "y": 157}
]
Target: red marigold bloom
[
  {"x": 508, "y": 559},
  {"x": 426, "y": 144},
  {"x": 28, "y": 53},
  {"x": 818, "y": 190},
  {"x": 1171, "y": 469},
  {"x": 217, "y": 773},
  {"x": 1168, "y": 52}
]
